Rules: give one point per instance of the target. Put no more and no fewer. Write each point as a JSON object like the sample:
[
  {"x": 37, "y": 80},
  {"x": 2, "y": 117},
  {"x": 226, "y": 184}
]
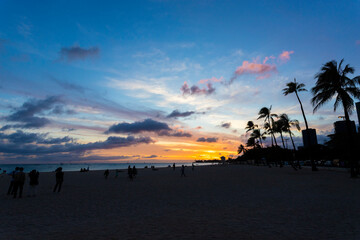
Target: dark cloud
[
  {"x": 20, "y": 137},
  {"x": 174, "y": 133},
  {"x": 195, "y": 90},
  {"x": 176, "y": 114},
  {"x": 226, "y": 125},
  {"x": 78, "y": 53},
  {"x": 26, "y": 116},
  {"x": 152, "y": 156},
  {"x": 33, "y": 149},
  {"x": 148, "y": 125},
  {"x": 209, "y": 140}
]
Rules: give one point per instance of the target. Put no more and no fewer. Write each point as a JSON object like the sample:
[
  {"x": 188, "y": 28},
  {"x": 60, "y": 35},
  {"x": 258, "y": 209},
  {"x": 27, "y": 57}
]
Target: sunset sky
[{"x": 160, "y": 80}]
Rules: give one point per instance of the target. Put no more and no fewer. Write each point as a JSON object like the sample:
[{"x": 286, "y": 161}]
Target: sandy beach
[{"x": 211, "y": 202}]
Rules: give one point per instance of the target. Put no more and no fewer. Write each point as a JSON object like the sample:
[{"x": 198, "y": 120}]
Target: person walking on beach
[
  {"x": 134, "y": 171},
  {"x": 174, "y": 166},
  {"x": 59, "y": 179},
  {"x": 19, "y": 182},
  {"x": 106, "y": 173},
  {"x": 12, "y": 181},
  {"x": 130, "y": 173},
  {"x": 34, "y": 181},
  {"x": 183, "y": 171}
]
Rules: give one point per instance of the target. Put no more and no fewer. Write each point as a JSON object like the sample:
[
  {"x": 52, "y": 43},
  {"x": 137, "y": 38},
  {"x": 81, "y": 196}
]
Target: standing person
[
  {"x": 59, "y": 179},
  {"x": 174, "y": 166},
  {"x": 106, "y": 173},
  {"x": 19, "y": 182},
  {"x": 34, "y": 181},
  {"x": 183, "y": 171},
  {"x": 130, "y": 173},
  {"x": 134, "y": 171},
  {"x": 12, "y": 181},
  {"x": 192, "y": 166}
]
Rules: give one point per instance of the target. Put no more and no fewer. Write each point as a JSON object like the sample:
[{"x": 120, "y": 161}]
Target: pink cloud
[
  {"x": 213, "y": 79},
  {"x": 285, "y": 56},
  {"x": 264, "y": 70},
  {"x": 358, "y": 42}
]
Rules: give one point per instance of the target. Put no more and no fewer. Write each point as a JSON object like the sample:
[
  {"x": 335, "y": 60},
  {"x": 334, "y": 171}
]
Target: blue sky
[{"x": 78, "y": 68}]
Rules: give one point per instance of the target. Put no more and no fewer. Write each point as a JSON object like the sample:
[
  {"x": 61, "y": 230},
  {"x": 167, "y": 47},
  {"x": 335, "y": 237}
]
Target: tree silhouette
[
  {"x": 332, "y": 81},
  {"x": 256, "y": 134},
  {"x": 251, "y": 126},
  {"x": 268, "y": 118},
  {"x": 294, "y": 87},
  {"x": 287, "y": 124},
  {"x": 278, "y": 128},
  {"x": 241, "y": 149}
]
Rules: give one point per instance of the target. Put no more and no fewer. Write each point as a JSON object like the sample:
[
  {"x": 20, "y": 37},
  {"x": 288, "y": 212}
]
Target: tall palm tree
[
  {"x": 332, "y": 80},
  {"x": 258, "y": 135},
  {"x": 294, "y": 87},
  {"x": 268, "y": 118},
  {"x": 278, "y": 128},
  {"x": 251, "y": 142},
  {"x": 287, "y": 124},
  {"x": 251, "y": 126}
]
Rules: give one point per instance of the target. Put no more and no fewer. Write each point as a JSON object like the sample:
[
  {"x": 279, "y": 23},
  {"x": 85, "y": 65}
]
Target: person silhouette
[
  {"x": 192, "y": 166},
  {"x": 12, "y": 181},
  {"x": 134, "y": 171},
  {"x": 130, "y": 173},
  {"x": 19, "y": 182},
  {"x": 106, "y": 173},
  {"x": 59, "y": 179},
  {"x": 183, "y": 171},
  {"x": 34, "y": 181},
  {"x": 174, "y": 166}
]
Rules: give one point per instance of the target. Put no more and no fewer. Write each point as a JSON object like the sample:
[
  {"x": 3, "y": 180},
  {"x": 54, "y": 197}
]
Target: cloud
[
  {"x": 357, "y": 42},
  {"x": 68, "y": 86},
  {"x": 209, "y": 140},
  {"x": 109, "y": 143},
  {"x": 78, "y": 53},
  {"x": 151, "y": 156},
  {"x": 226, "y": 125},
  {"x": 176, "y": 114},
  {"x": 195, "y": 90},
  {"x": 262, "y": 70},
  {"x": 213, "y": 79},
  {"x": 285, "y": 56},
  {"x": 26, "y": 115},
  {"x": 174, "y": 133},
  {"x": 20, "y": 137},
  {"x": 148, "y": 125}
]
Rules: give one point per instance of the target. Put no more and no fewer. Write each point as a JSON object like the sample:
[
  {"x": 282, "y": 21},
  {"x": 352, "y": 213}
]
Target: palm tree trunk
[
  {"x": 292, "y": 140},
  {"x": 282, "y": 139},
  {"x": 260, "y": 141},
  {"x": 302, "y": 110}
]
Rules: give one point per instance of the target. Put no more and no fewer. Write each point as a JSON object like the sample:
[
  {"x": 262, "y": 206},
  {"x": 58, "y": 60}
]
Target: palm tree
[
  {"x": 241, "y": 149},
  {"x": 294, "y": 87},
  {"x": 278, "y": 128},
  {"x": 287, "y": 124},
  {"x": 258, "y": 135},
  {"x": 251, "y": 126},
  {"x": 268, "y": 118},
  {"x": 251, "y": 142},
  {"x": 332, "y": 80}
]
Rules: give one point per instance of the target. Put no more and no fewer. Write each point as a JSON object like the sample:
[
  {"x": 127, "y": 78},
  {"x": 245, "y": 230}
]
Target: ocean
[{"x": 92, "y": 166}]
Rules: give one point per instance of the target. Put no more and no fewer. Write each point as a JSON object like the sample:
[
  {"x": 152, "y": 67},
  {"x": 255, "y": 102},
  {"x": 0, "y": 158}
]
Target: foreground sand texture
[{"x": 213, "y": 202}]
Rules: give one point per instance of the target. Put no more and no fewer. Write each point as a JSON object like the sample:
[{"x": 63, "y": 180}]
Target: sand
[{"x": 213, "y": 202}]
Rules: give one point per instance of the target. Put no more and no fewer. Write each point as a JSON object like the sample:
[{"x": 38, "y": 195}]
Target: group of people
[
  {"x": 132, "y": 172},
  {"x": 18, "y": 180}
]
